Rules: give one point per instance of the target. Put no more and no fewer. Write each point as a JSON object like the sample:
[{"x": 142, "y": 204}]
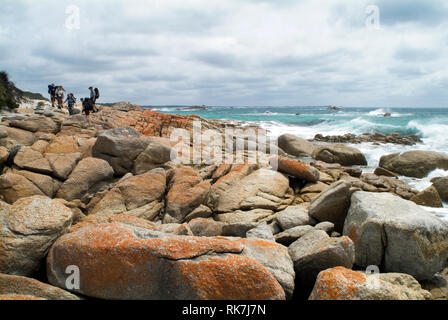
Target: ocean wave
[
  {"x": 166, "y": 109},
  {"x": 267, "y": 113},
  {"x": 441, "y": 213},
  {"x": 422, "y": 184},
  {"x": 377, "y": 113},
  {"x": 361, "y": 124},
  {"x": 381, "y": 112},
  {"x": 434, "y": 135}
]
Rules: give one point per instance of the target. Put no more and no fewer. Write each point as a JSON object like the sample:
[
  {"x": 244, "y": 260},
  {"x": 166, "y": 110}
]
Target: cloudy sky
[{"x": 232, "y": 52}]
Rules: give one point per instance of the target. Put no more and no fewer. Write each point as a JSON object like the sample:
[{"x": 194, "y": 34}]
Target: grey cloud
[
  {"x": 218, "y": 59},
  {"x": 171, "y": 52},
  {"x": 407, "y": 11},
  {"x": 424, "y": 13},
  {"x": 416, "y": 54},
  {"x": 317, "y": 60},
  {"x": 407, "y": 72}
]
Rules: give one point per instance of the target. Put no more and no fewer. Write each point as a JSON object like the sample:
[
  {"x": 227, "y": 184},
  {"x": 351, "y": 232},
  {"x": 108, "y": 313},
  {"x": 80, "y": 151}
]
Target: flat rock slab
[{"x": 414, "y": 163}]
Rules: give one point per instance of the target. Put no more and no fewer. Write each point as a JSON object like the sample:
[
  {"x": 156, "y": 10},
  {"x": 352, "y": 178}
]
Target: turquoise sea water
[
  {"x": 404, "y": 120},
  {"x": 431, "y": 124}
]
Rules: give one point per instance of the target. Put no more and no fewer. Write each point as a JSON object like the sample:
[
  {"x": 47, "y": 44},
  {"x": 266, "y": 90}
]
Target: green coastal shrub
[
  {"x": 7, "y": 92},
  {"x": 34, "y": 96}
]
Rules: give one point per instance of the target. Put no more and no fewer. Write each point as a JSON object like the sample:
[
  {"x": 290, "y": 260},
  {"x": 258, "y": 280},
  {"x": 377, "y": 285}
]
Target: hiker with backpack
[
  {"x": 71, "y": 100},
  {"x": 52, "y": 93},
  {"x": 94, "y": 95},
  {"x": 87, "y": 106},
  {"x": 60, "y": 96}
]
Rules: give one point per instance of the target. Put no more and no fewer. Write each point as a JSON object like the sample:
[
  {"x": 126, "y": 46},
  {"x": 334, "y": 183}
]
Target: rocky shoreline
[{"x": 110, "y": 200}]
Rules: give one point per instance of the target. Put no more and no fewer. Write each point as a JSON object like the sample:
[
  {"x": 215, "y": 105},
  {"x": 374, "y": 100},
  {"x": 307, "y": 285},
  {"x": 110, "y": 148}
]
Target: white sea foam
[
  {"x": 434, "y": 137},
  {"x": 165, "y": 109},
  {"x": 442, "y": 213},
  {"x": 268, "y": 113},
  {"x": 377, "y": 113},
  {"x": 381, "y": 112}
]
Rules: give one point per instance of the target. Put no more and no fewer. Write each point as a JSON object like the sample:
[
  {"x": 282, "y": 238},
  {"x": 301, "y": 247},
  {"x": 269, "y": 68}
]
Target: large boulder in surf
[
  {"x": 441, "y": 184},
  {"x": 295, "y": 146},
  {"x": 429, "y": 198},
  {"x": 415, "y": 163},
  {"x": 396, "y": 234},
  {"x": 340, "y": 153}
]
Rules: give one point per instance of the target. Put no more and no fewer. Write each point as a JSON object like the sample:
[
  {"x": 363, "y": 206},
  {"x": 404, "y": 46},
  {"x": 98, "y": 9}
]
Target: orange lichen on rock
[
  {"x": 353, "y": 235},
  {"x": 161, "y": 124},
  {"x": 297, "y": 169},
  {"x": 186, "y": 192},
  {"x": 294, "y": 165},
  {"x": 119, "y": 262},
  {"x": 119, "y": 218},
  {"x": 238, "y": 172},
  {"x": 230, "y": 278},
  {"x": 337, "y": 283}
]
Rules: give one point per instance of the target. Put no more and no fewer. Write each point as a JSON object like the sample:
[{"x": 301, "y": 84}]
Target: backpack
[
  {"x": 71, "y": 98},
  {"x": 97, "y": 93},
  {"x": 88, "y": 104},
  {"x": 51, "y": 90}
]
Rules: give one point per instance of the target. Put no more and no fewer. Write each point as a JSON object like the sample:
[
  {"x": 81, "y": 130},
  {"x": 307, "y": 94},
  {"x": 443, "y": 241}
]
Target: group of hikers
[{"x": 88, "y": 104}]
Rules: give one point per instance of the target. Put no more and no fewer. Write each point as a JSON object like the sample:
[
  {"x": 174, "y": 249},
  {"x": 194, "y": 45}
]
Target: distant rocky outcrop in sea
[
  {"x": 334, "y": 108},
  {"x": 192, "y": 108},
  {"x": 395, "y": 138}
]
